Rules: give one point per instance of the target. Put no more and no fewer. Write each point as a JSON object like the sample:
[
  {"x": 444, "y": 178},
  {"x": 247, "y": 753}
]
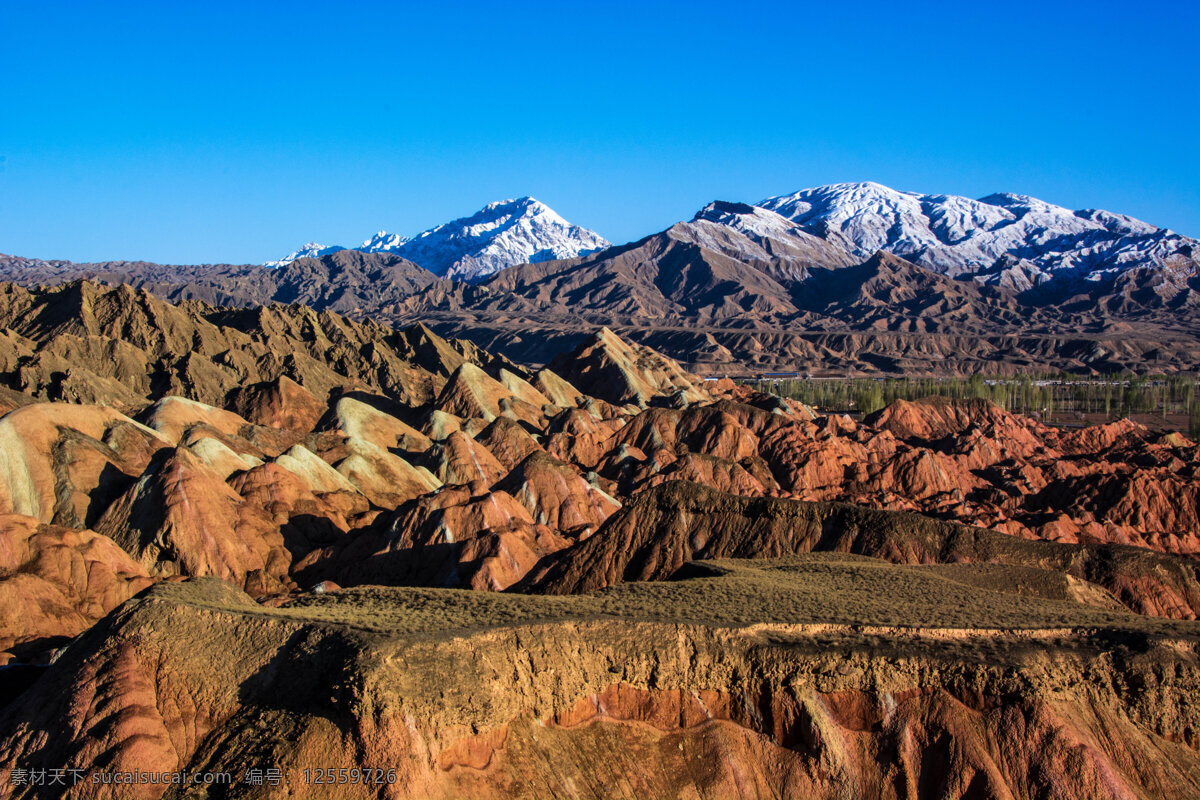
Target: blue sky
[{"x": 233, "y": 132}]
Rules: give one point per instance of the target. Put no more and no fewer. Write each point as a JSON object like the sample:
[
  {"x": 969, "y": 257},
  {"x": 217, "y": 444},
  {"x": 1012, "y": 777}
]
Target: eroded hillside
[{"x": 279, "y": 538}]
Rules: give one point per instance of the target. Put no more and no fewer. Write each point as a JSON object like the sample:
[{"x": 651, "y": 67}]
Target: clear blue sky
[{"x": 235, "y": 132}]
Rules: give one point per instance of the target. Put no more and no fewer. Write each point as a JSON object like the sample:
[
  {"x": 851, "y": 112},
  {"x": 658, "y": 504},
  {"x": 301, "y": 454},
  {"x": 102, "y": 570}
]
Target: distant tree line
[{"x": 1052, "y": 397}]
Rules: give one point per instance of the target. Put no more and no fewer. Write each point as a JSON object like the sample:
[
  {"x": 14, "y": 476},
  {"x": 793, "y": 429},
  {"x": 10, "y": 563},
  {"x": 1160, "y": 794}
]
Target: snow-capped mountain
[
  {"x": 1006, "y": 239},
  {"x": 310, "y": 250},
  {"x": 1000, "y": 238},
  {"x": 761, "y": 238},
  {"x": 497, "y": 236},
  {"x": 383, "y": 242}
]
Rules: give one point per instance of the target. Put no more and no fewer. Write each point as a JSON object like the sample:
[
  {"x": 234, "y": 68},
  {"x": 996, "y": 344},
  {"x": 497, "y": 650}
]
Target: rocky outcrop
[
  {"x": 64, "y": 463},
  {"x": 56, "y": 582},
  {"x": 86, "y": 343},
  {"x": 387, "y": 480},
  {"x": 181, "y": 518},
  {"x": 508, "y": 441},
  {"x": 612, "y": 369},
  {"x": 450, "y": 539},
  {"x": 799, "y": 703},
  {"x": 659, "y": 530},
  {"x": 279, "y": 403},
  {"x": 461, "y": 459},
  {"x": 555, "y": 494}
]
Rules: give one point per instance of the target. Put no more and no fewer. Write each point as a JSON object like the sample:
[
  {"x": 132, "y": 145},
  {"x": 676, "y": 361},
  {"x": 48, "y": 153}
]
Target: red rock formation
[
  {"x": 63, "y": 462},
  {"x": 461, "y": 459},
  {"x": 386, "y": 479},
  {"x": 180, "y": 518},
  {"x": 56, "y": 582},
  {"x": 558, "y": 390},
  {"x": 659, "y": 530},
  {"x": 555, "y": 494},
  {"x": 508, "y": 441},
  {"x": 450, "y": 538},
  {"x": 306, "y": 518},
  {"x": 607, "y": 367},
  {"x": 358, "y": 420},
  {"x": 279, "y": 403},
  {"x": 184, "y": 678},
  {"x": 472, "y": 393},
  {"x": 174, "y": 416},
  {"x": 717, "y": 473},
  {"x": 578, "y": 437}
]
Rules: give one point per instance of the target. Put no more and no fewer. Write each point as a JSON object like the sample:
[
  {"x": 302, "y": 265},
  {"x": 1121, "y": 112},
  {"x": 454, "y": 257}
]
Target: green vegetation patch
[{"x": 1056, "y": 398}]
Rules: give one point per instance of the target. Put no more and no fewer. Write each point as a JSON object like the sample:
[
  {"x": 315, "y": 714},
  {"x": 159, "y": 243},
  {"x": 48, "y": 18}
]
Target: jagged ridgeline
[{"x": 239, "y": 538}]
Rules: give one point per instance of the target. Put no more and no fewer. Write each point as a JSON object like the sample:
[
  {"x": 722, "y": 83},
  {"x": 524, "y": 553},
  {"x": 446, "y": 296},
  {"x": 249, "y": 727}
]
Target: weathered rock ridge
[{"x": 528, "y": 698}]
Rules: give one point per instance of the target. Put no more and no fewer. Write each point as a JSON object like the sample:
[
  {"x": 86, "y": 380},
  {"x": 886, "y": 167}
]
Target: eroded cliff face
[{"x": 489, "y": 696}]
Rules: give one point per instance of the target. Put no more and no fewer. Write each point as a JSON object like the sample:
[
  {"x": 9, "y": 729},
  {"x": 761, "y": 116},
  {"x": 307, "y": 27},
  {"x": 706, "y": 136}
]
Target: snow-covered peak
[
  {"x": 746, "y": 218},
  {"x": 762, "y": 226},
  {"x": 383, "y": 242},
  {"x": 957, "y": 235},
  {"x": 499, "y": 235},
  {"x": 310, "y": 250}
]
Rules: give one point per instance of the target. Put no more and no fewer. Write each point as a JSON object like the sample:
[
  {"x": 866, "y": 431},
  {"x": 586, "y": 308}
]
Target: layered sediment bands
[
  {"x": 497, "y": 696},
  {"x": 448, "y": 539},
  {"x": 661, "y": 529},
  {"x": 182, "y": 518},
  {"x": 610, "y": 368},
  {"x": 63, "y": 463},
  {"x": 945, "y": 661}
]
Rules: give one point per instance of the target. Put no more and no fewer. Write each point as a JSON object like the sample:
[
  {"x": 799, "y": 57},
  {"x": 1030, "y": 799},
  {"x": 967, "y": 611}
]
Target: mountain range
[
  {"x": 843, "y": 278},
  {"x": 990, "y": 238}
]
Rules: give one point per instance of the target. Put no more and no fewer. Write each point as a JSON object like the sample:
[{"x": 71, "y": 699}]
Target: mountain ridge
[{"x": 956, "y": 235}]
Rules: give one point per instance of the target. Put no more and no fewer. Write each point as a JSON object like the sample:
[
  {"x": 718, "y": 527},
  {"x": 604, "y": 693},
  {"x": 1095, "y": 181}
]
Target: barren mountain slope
[
  {"x": 657, "y": 532},
  {"x": 90, "y": 343}
]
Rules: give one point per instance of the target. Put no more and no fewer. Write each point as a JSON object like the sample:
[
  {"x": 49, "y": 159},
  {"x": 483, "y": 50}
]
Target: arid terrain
[{"x": 276, "y": 538}]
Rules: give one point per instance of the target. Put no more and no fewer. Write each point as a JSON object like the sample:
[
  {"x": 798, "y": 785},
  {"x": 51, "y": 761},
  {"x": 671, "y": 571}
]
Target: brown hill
[
  {"x": 915, "y": 684},
  {"x": 338, "y": 282},
  {"x": 58, "y": 582},
  {"x": 607, "y": 367},
  {"x": 87, "y": 343},
  {"x": 888, "y": 293},
  {"x": 661, "y": 529}
]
